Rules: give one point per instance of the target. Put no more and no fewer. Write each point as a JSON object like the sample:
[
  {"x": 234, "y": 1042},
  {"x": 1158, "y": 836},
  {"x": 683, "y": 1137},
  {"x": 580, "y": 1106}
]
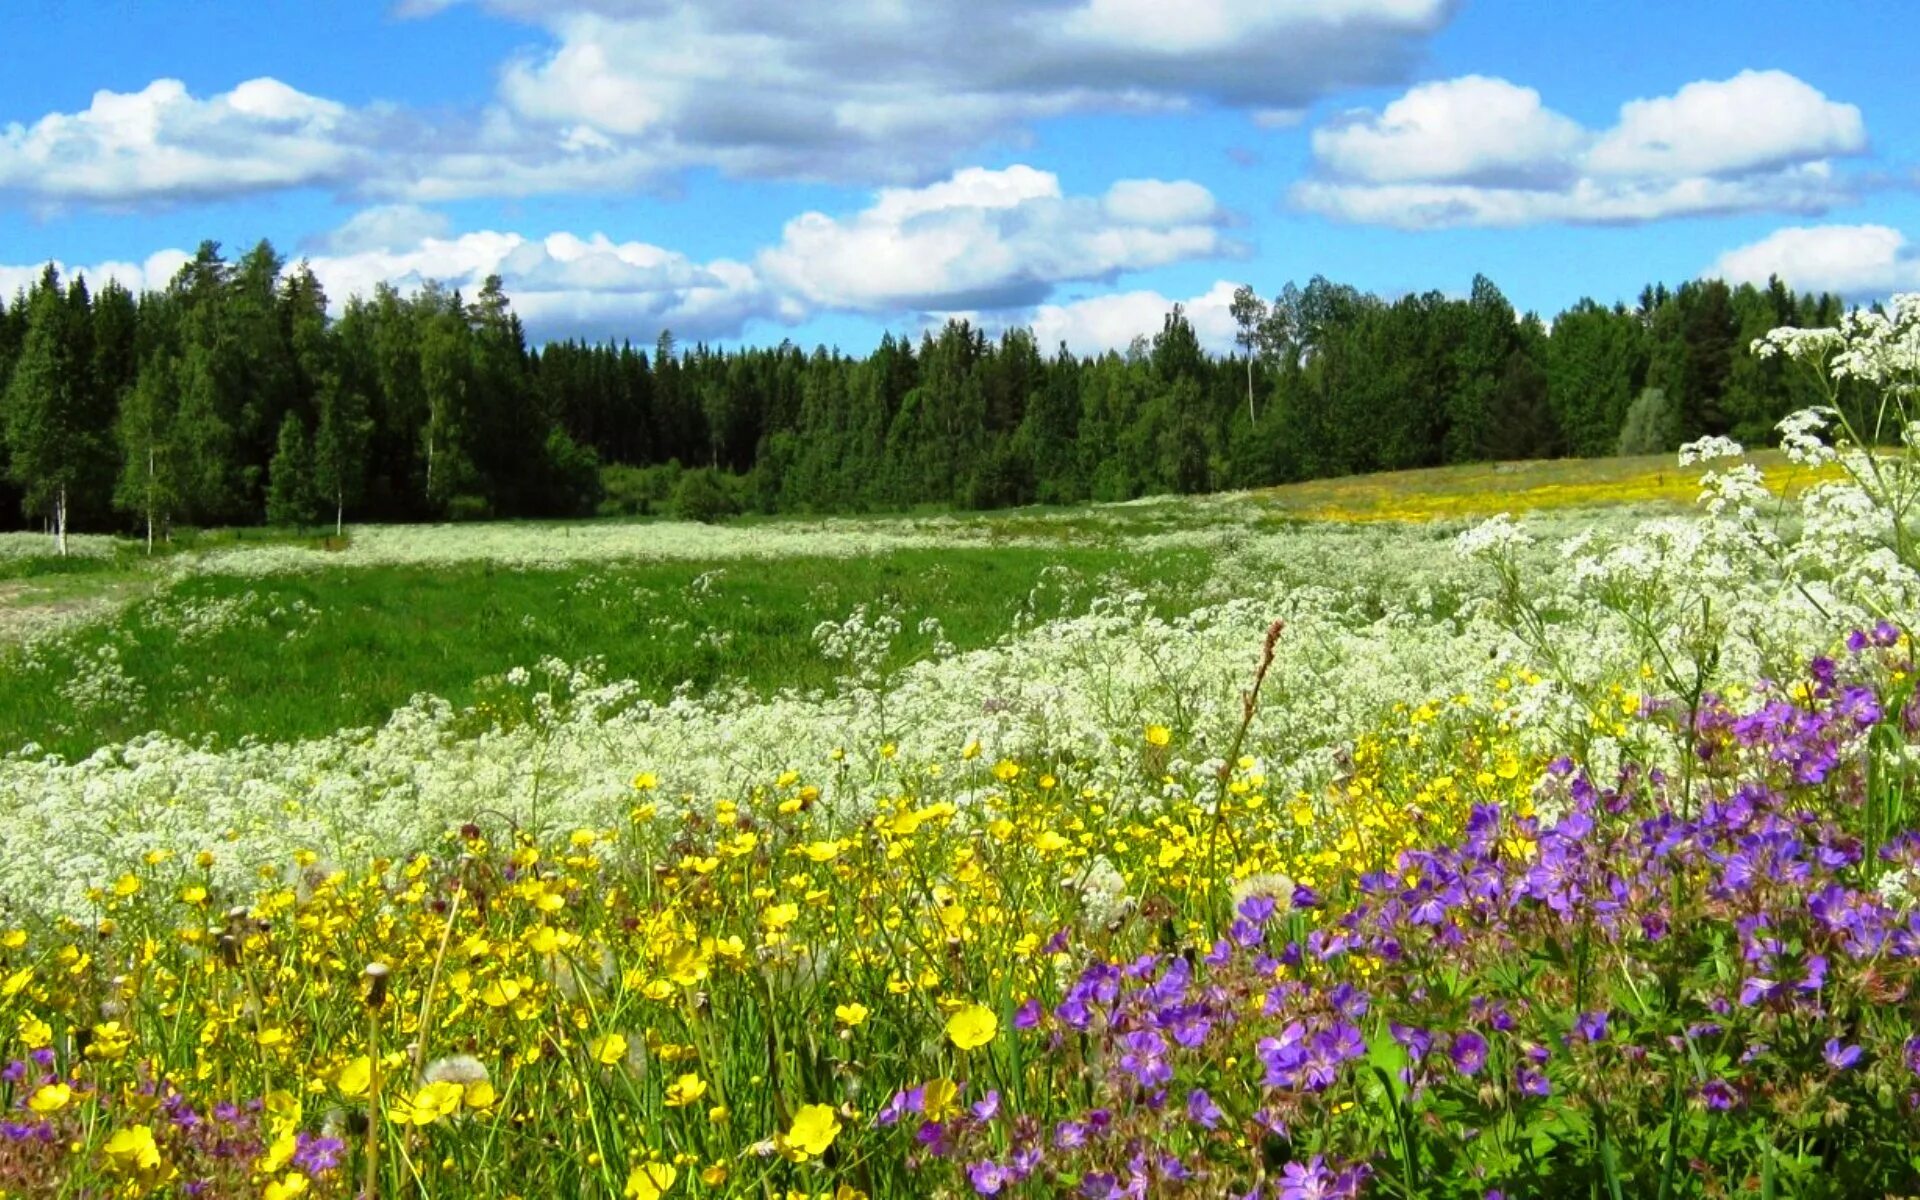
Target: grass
[{"x": 286, "y": 657}]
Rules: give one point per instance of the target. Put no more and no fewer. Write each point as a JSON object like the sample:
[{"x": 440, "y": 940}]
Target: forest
[{"x": 236, "y": 396}]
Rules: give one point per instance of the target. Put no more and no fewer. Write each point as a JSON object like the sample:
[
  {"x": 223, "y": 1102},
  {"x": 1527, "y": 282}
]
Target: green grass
[{"x": 307, "y": 654}]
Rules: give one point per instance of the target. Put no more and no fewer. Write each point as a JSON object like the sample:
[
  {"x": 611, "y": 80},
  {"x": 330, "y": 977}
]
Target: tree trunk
[
  {"x": 149, "y": 501},
  {"x": 60, "y": 522},
  {"x": 1250, "y": 417},
  {"x": 339, "y": 514}
]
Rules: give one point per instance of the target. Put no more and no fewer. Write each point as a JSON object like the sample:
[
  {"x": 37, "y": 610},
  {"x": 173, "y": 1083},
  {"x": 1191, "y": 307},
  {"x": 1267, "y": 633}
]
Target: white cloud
[
  {"x": 1485, "y": 152},
  {"x": 384, "y": 227},
  {"x": 1111, "y": 322},
  {"x": 989, "y": 239},
  {"x": 1854, "y": 260},
  {"x": 999, "y": 240},
  {"x": 151, "y": 274},
  {"x": 890, "y": 91},
  {"x": 1461, "y": 130},
  {"x": 1754, "y": 121},
  {"x": 161, "y": 143},
  {"x": 567, "y": 286}
]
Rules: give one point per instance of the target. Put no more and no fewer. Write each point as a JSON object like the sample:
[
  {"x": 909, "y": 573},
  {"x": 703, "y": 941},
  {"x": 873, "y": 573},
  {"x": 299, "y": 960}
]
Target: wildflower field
[{"x": 1277, "y": 846}]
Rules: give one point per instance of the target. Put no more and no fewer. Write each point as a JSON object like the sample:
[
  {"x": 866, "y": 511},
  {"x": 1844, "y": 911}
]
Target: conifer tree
[
  {"x": 46, "y": 444},
  {"x": 290, "y": 495}
]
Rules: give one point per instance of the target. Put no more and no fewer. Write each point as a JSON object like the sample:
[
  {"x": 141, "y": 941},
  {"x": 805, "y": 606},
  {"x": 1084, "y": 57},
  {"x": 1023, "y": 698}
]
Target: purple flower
[
  {"x": 1719, "y": 1095},
  {"x": 318, "y": 1155},
  {"x": 988, "y": 1106},
  {"x": 900, "y": 1104},
  {"x": 1591, "y": 1027},
  {"x": 1307, "y": 1181},
  {"x": 1532, "y": 1082},
  {"x": 1468, "y": 1052},
  {"x": 1202, "y": 1111},
  {"x": 987, "y": 1177},
  {"x": 1839, "y": 1056},
  {"x": 1027, "y": 1016}
]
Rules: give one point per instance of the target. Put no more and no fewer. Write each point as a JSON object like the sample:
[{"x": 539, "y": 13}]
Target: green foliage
[
  {"x": 703, "y": 496},
  {"x": 431, "y": 405},
  {"x": 1650, "y": 424},
  {"x": 291, "y": 499}
]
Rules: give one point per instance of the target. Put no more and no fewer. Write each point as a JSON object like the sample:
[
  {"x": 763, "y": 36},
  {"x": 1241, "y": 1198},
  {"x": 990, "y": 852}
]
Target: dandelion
[
  {"x": 850, "y": 1015},
  {"x": 1159, "y": 736}
]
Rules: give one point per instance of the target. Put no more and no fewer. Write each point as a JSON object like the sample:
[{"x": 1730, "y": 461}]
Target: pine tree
[{"x": 290, "y": 494}]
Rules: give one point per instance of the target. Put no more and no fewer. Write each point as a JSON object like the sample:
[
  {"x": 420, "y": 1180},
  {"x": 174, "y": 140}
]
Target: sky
[{"x": 746, "y": 172}]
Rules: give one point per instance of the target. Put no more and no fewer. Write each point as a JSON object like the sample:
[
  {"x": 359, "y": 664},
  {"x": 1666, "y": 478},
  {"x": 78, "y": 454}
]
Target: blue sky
[{"x": 742, "y": 171}]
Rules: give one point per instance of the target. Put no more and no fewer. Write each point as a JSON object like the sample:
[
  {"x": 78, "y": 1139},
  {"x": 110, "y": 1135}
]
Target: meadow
[{"x": 1530, "y": 831}]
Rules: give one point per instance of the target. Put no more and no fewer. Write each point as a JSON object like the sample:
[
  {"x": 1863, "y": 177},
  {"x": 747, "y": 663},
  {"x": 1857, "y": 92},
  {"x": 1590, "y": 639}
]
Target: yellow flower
[
  {"x": 294, "y": 1184},
  {"x": 34, "y": 1033},
  {"x": 685, "y": 1090},
  {"x": 479, "y": 1095},
  {"x": 650, "y": 1181},
  {"x": 779, "y": 916},
  {"x": 499, "y": 993},
  {"x": 941, "y": 1096},
  {"x": 814, "y": 1128},
  {"x": 50, "y": 1099},
  {"x": 850, "y": 1014},
  {"x": 972, "y": 1027},
  {"x": 133, "y": 1150},
  {"x": 432, "y": 1102},
  {"x": 1158, "y": 735},
  {"x": 645, "y": 781},
  {"x": 126, "y": 885},
  {"x": 354, "y": 1077},
  {"x": 608, "y": 1050}
]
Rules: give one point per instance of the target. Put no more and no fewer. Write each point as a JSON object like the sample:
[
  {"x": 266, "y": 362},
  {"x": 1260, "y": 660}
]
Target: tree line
[{"x": 233, "y": 396}]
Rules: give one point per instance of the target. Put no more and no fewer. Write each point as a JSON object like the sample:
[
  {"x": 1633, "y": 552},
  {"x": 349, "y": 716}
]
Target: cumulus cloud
[
  {"x": 1486, "y": 152},
  {"x": 1000, "y": 240},
  {"x": 564, "y": 285},
  {"x": 383, "y": 227},
  {"x": 990, "y": 239},
  {"x": 1858, "y": 261},
  {"x": 1097, "y": 324},
  {"x": 1468, "y": 130},
  {"x": 150, "y": 274},
  {"x": 162, "y": 143},
  {"x": 890, "y": 91}
]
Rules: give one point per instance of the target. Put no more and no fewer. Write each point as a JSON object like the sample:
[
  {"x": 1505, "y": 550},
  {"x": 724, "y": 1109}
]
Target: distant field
[
  {"x": 1483, "y": 489},
  {"x": 268, "y": 635}
]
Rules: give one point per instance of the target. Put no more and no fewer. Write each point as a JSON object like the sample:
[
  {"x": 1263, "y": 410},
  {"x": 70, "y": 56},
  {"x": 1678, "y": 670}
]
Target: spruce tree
[
  {"x": 46, "y": 445},
  {"x": 290, "y": 495}
]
